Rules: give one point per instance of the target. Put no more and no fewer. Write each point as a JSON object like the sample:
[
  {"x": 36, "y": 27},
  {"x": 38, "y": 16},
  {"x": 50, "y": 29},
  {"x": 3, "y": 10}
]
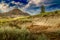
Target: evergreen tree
[{"x": 42, "y": 9}]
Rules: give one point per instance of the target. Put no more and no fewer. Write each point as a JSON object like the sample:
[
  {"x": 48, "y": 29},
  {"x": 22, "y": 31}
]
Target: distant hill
[{"x": 14, "y": 12}]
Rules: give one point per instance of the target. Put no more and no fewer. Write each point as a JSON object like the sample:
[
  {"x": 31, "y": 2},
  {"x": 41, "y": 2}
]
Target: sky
[{"x": 30, "y": 6}]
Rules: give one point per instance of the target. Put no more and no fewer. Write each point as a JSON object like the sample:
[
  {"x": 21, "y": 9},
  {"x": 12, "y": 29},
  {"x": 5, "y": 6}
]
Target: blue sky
[{"x": 30, "y": 6}]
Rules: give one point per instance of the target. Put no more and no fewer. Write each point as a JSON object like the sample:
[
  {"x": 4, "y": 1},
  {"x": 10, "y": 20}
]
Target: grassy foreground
[{"x": 9, "y": 33}]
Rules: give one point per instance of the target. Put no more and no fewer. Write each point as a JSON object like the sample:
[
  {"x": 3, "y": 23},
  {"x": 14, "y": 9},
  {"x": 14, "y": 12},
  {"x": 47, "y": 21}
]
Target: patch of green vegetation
[
  {"x": 57, "y": 12},
  {"x": 42, "y": 37},
  {"x": 12, "y": 33},
  {"x": 14, "y": 22}
]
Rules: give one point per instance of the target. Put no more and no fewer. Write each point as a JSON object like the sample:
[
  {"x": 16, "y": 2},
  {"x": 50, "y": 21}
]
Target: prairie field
[{"x": 45, "y": 26}]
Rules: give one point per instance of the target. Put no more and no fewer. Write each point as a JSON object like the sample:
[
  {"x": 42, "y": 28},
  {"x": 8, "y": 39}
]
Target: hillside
[
  {"x": 14, "y": 13},
  {"x": 50, "y": 19},
  {"x": 45, "y": 25}
]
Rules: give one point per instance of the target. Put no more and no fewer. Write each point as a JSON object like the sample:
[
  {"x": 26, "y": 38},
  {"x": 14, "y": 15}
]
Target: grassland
[{"x": 45, "y": 26}]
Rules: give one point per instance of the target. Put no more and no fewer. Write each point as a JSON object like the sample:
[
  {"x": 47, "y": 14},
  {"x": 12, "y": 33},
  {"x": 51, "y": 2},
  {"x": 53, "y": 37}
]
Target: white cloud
[
  {"x": 36, "y": 2},
  {"x": 13, "y": 2},
  {"x": 17, "y": 3},
  {"x": 5, "y": 7}
]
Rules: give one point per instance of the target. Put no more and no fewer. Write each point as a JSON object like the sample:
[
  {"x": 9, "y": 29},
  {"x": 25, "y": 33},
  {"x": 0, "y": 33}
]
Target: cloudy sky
[{"x": 30, "y": 6}]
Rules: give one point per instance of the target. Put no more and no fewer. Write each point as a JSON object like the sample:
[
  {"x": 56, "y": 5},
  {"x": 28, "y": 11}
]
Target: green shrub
[
  {"x": 8, "y": 33},
  {"x": 42, "y": 37},
  {"x": 13, "y": 33}
]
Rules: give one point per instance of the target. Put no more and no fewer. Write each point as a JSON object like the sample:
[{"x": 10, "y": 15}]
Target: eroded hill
[
  {"x": 14, "y": 13},
  {"x": 47, "y": 24}
]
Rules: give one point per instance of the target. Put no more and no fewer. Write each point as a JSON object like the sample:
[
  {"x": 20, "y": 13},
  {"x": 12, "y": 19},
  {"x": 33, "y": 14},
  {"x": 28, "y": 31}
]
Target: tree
[{"x": 42, "y": 8}]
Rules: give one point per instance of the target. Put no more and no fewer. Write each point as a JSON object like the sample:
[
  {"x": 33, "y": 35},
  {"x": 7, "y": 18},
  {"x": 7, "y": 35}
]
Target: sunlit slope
[
  {"x": 49, "y": 21},
  {"x": 41, "y": 26}
]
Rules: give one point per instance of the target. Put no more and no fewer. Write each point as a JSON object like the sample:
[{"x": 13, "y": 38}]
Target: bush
[
  {"x": 42, "y": 37},
  {"x": 12, "y": 33},
  {"x": 8, "y": 33}
]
